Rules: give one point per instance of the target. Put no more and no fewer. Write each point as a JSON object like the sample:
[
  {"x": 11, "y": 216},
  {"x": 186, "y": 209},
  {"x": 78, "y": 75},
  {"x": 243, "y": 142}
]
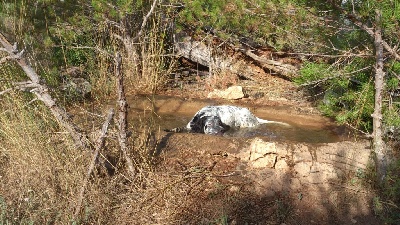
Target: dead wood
[
  {"x": 122, "y": 114},
  {"x": 42, "y": 93},
  {"x": 99, "y": 145},
  {"x": 23, "y": 86},
  {"x": 286, "y": 70},
  {"x": 199, "y": 52}
]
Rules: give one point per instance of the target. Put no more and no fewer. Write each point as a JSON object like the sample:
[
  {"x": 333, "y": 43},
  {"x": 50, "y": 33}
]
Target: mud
[
  {"x": 170, "y": 112},
  {"x": 306, "y": 173}
]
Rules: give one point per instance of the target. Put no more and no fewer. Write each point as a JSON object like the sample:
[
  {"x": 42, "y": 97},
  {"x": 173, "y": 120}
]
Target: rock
[
  {"x": 231, "y": 93},
  {"x": 262, "y": 154},
  {"x": 316, "y": 172},
  {"x": 282, "y": 165},
  {"x": 259, "y": 147},
  {"x": 265, "y": 161},
  {"x": 302, "y": 157},
  {"x": 302, "y": 168}
]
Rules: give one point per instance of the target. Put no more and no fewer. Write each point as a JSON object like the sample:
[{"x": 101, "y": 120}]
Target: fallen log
[
  {"x": 199, "y": 52},
  {"x": 286, "y": 70}
]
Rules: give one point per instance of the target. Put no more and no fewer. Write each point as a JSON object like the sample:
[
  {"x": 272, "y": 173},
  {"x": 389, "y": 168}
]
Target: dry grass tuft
[
  {"x": 41, "y": 170},
  {"x": 148, "y": 64}
]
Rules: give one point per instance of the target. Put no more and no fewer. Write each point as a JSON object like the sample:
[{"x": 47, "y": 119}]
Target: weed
[
  {"x": 283, "y": 210},
  {"x": 223, "y": 220}
]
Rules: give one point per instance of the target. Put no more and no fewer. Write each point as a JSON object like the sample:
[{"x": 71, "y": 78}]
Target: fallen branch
[
  {"x": 42, "y": 93},
  {"x": 126, "y": 39},
  {"x": 98, "y": 147},
  {"x": 122, "y": 114},
  {"x": 19, "y": 86},
  {"x": 286, "y": 70},
  {"x": 201, "y": 53}
]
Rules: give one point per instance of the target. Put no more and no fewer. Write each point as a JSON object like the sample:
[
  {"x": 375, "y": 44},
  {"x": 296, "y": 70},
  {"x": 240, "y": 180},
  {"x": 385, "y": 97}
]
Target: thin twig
[
  {"x": 145, "y": 18},
  {"x": 344, "y": 75},
  {"x": 367, "y": 135},
  {"x": 99, "y": 145}
]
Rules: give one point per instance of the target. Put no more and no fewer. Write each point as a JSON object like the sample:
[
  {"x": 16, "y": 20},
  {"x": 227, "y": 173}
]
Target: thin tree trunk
[
  {"x": 123, "y": 111},
  {"x": 379, "y": 145},
  {"x": 99, "y": 145}
]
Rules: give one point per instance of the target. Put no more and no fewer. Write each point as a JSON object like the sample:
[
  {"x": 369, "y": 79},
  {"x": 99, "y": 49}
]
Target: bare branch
[
  {"x": 370, "y": 30},
  {"x": 326, "y": 55},
  {"x": 126, "y": 39},
  {"x": 123, "y": 111},
  {"x": 41, "y": 92},
  {"x": 127, "y": 42},
  {"x": 6, "y": 91},
  {"x": 20, "y": 86},
  {"x": 101, "y": 51},
  {"x": 145, "y": 18},
  {"x": 99, "y": 146}
]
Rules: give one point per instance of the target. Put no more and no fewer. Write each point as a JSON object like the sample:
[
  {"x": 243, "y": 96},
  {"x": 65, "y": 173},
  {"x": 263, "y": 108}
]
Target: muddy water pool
[{"x": 170, "y": 112}]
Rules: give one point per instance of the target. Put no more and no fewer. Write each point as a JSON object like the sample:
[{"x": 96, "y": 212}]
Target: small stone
[
  {"x": 234, "y": 189},
  {"x": 231, "y": 93}
]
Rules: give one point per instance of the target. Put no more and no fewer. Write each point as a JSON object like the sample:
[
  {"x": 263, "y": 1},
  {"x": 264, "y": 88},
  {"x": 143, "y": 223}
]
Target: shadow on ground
[{"x": 307, "y": 184}]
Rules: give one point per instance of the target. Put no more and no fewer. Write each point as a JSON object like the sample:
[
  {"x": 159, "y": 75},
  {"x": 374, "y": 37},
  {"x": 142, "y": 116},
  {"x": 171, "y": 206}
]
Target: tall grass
[
  {"x": 40, "y": 167},
  {"x": 148, "y": 64}
]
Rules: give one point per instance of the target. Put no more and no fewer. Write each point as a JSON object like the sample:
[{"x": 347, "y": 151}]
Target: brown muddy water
[{"x": 169, "y": 112}]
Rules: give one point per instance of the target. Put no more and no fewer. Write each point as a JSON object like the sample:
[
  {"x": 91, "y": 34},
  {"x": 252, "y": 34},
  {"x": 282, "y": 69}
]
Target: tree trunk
[
  {"x": 379, "y": 145},
  {"x": 123, "y": 112}
]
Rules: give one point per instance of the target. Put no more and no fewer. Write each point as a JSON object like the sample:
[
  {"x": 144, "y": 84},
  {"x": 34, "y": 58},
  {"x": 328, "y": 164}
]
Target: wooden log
[
  {"x": 286, "y": 70},
  {"x": 199, "y": 52}
]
